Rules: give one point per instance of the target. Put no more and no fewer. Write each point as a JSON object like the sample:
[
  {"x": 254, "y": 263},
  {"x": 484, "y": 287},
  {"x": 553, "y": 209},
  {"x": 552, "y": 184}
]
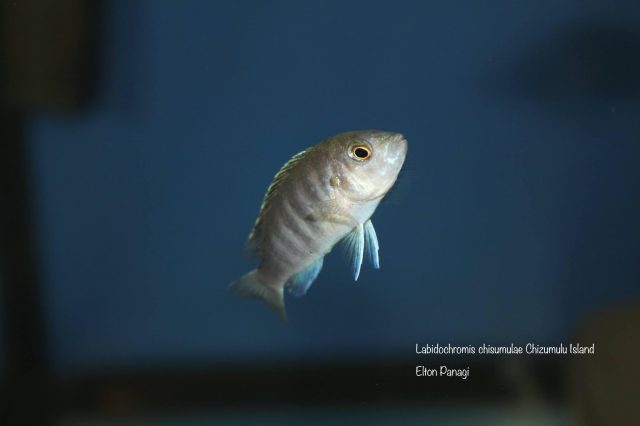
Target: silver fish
[{"x": 324, "y": 194}]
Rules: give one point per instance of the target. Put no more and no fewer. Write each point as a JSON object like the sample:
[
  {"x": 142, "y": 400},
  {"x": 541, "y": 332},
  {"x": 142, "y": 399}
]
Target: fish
[{"x": 321, "y": 196}]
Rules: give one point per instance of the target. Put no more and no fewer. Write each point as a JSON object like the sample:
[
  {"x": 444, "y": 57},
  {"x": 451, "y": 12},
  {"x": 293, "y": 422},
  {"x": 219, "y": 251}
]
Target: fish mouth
[{"x": 399, "y": 149}]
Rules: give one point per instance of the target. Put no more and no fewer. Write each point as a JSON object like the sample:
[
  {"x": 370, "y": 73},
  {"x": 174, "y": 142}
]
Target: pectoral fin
[
  {"x": 354, "y": 242},
  {"x": 361, "y": 238},
  {"x": 371, "y": 244},
  {"x": 299, "y": 283}
]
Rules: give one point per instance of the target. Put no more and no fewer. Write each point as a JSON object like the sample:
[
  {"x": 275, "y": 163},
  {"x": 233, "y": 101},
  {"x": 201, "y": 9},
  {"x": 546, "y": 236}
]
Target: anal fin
[{"x": 299, "y": 283}]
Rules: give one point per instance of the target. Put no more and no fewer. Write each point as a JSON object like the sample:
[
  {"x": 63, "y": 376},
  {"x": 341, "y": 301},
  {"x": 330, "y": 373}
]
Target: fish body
[{"x": 322, "y": 195}]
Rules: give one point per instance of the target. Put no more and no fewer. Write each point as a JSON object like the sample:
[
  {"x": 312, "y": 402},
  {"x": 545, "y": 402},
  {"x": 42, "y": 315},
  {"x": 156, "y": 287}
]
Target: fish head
[{"x": 371, "y": 161}]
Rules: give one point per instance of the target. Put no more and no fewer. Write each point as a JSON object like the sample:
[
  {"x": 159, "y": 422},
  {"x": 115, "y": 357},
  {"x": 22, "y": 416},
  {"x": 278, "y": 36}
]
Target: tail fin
[{"x": 250, "y": 286}]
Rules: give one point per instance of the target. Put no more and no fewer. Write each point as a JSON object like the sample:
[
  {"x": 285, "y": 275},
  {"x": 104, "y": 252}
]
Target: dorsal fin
[{"x": 272, "y": 191}]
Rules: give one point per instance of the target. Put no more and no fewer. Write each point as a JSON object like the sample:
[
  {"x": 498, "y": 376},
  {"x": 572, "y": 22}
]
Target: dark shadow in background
[
  {"x": 50, "y": 55},
  {"x": 588, "y": 69},
  {"x": 27, "y": 372},
  {"x": 589, "y": 73},
  {"x": 48, "y": 62},
  {"x": 582, "y": 63},
  {"x": 585, "y": 63}
]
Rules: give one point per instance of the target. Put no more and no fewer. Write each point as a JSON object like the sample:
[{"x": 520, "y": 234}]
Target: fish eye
[{"x": 360, "y": 152}]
